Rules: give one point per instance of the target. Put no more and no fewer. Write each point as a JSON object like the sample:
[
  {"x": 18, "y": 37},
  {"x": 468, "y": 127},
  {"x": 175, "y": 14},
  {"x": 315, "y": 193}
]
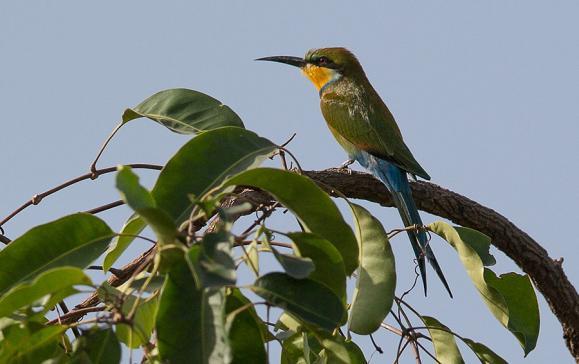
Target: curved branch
[
  {"x": 36, "y": 199},
  {"x": 546, "y": 273}
]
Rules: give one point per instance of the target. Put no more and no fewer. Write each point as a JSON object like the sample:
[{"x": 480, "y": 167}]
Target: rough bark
[{"x": 546, "y": 273}]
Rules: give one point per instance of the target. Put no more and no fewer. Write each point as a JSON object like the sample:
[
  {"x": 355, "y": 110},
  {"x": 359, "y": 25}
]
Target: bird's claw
[{"x": 346, "y": 165}]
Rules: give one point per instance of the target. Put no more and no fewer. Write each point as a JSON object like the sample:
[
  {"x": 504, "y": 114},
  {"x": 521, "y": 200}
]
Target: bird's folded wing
[{"x": 373, "y": 131}]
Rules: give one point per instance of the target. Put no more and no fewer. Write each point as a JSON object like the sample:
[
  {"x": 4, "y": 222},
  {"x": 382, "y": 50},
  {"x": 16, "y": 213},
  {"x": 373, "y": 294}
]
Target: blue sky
[{"x": 485, "y": 94}]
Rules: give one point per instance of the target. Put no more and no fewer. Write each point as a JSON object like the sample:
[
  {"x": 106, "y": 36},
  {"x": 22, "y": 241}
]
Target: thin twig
[
  {"x": 75, "y": 313},
  {"x": 126, "y": 272},
  {"x": 415, "y": 350},
  {"x": 283, "y": 160},
  {"x": 241, "y": 242},
  {"x": 265, "y": 214},
  {"x": 427, "y": 352},
  {"x": 102, "y": 149},
  {"x": 5, "y": 240},
  {"x": 108, "y": 206},
  {"x": 36, "y": 199},
  {"x": 65, "y": 310},
  {"x": 414, "y": 283},
  {"x": 294, "y": 159},
  {"x": 392, "y": 329},
  {"x": 288, "y": 141},
  {"x": 376, "y": 347},
  {"x": 400, "y": 348}
]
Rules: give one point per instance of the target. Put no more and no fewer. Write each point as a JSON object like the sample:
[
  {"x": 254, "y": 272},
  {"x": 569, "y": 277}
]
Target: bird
[{"x": 366, "y": 129}]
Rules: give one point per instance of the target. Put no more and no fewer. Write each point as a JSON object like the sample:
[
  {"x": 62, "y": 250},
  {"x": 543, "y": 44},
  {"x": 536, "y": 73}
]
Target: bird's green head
[{"x": 323, "y": 65}]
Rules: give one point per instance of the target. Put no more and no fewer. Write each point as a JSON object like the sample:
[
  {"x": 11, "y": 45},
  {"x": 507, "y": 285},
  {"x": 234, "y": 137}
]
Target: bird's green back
[{"x": 355, "y": 112}]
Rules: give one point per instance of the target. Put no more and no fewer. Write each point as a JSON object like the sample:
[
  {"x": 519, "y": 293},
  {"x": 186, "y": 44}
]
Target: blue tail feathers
[{"x": 396, "y": 181}]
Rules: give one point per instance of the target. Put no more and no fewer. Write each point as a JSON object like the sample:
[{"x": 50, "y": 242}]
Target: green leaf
[
  {"x": 485, "y": 355},
  {"x": 374, "y": 292},
  {"x": 310, "y": 204},
  {"x": 184, "y": 111},
  {"x": 329, "y": 265},
  {"x": 133, "y": 226},
  {"x": 199, "y": 167},
  {"x": 30, "y": 343},
  {"x": 204, "y": 163},
  {"x": 510, "y": 298},
  {"x": 213, "y": 261},
  {"x": 287, "y": 322},
  {"x": 154, "y": 284},
  {"x": 337, "y": 350},
  {"x": 519, "y": 295},
  {"x": 97, "y": 346},
  {"x": 443, "y": 341},
  {"x": 251, "y": 259},
  {"x": 140, "y": 199},
  {"x": 190, "y": 322},
  {"x": 75, "y": 240},
  {"x": 296, "y": 349},
  {"x": 446, "y": 349},
  {"x": 294, "y": 266},
  {"x": 46, "y": 284},
  {"x": 302, "y": 298},
  {"x": 143, "y": 322},
  {"x": 356, "y": 354},
  {"x": 246, "y": 333}
]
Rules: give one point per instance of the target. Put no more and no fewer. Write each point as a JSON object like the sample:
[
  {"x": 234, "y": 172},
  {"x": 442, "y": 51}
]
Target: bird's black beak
[{"x": 293, "y": 61}]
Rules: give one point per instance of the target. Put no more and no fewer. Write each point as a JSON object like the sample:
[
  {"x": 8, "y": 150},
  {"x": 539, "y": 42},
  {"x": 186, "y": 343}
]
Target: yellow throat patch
[{"x": 319, "y": 76}]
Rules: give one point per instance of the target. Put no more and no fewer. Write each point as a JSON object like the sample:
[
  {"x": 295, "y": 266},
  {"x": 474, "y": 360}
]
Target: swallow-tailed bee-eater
[{"x": 362, "y": 124}]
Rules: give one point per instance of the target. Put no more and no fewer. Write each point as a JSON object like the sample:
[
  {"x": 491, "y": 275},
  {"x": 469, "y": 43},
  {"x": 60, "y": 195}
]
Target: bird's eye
[{"x": 323, "y": 60}]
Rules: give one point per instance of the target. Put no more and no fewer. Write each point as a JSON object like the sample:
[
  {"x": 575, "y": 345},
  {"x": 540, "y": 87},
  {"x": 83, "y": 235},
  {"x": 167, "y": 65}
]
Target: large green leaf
[
  {"x": 446, "y": 349},
  {"x": 190, "y": 322},
  {"x": 310, "y": 204},
  {"x": 374, "y": 292},
  {"x": 75, "y": 240},
  {"x": 519, "y": 295},
  {"x": 328, "y": 262},
  {"x": 213, "y": 261},
  {"x": 483, "y": 353},
  {"x": 200, "y": 166},
  {"x": 510, "y": 298},
  {"x": 307, "y": 299},
  {"x": 443, "y": 341},
  {"x": 97, "y": 346},
  {"x": 184, "y": 111},
  {"x": 205, "y": 163},
  {"x": 46, "y": 284},
  {"x": 30, "y": 343},
  {"x": 246, "y": 333},
  {"x": 140, "y": 199}
]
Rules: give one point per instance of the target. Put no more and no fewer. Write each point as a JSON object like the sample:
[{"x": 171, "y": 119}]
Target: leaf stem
[{"x": 93, "y": 168}]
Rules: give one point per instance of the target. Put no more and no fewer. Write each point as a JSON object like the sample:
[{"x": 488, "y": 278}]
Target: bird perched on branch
[{"x": 362, "y": 124}]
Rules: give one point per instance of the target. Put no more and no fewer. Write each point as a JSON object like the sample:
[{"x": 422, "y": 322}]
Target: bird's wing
[{"x": 371, "y": 130}]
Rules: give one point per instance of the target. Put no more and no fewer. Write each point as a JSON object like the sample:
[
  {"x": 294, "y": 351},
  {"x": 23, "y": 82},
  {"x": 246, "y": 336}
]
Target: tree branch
[{"x": 546, "y": 273}]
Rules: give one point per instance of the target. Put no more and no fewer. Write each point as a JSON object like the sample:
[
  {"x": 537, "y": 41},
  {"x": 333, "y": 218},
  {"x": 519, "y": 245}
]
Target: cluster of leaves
[{"x": 185, "y": 303}]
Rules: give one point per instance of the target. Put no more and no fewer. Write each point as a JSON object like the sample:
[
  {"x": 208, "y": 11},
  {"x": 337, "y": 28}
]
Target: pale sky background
[{"x": 485, "y": 94}]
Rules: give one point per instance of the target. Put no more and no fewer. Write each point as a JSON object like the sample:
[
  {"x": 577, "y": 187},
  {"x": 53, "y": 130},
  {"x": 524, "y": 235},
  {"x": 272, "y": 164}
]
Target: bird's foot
[{"x": 346, "y": 165}]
